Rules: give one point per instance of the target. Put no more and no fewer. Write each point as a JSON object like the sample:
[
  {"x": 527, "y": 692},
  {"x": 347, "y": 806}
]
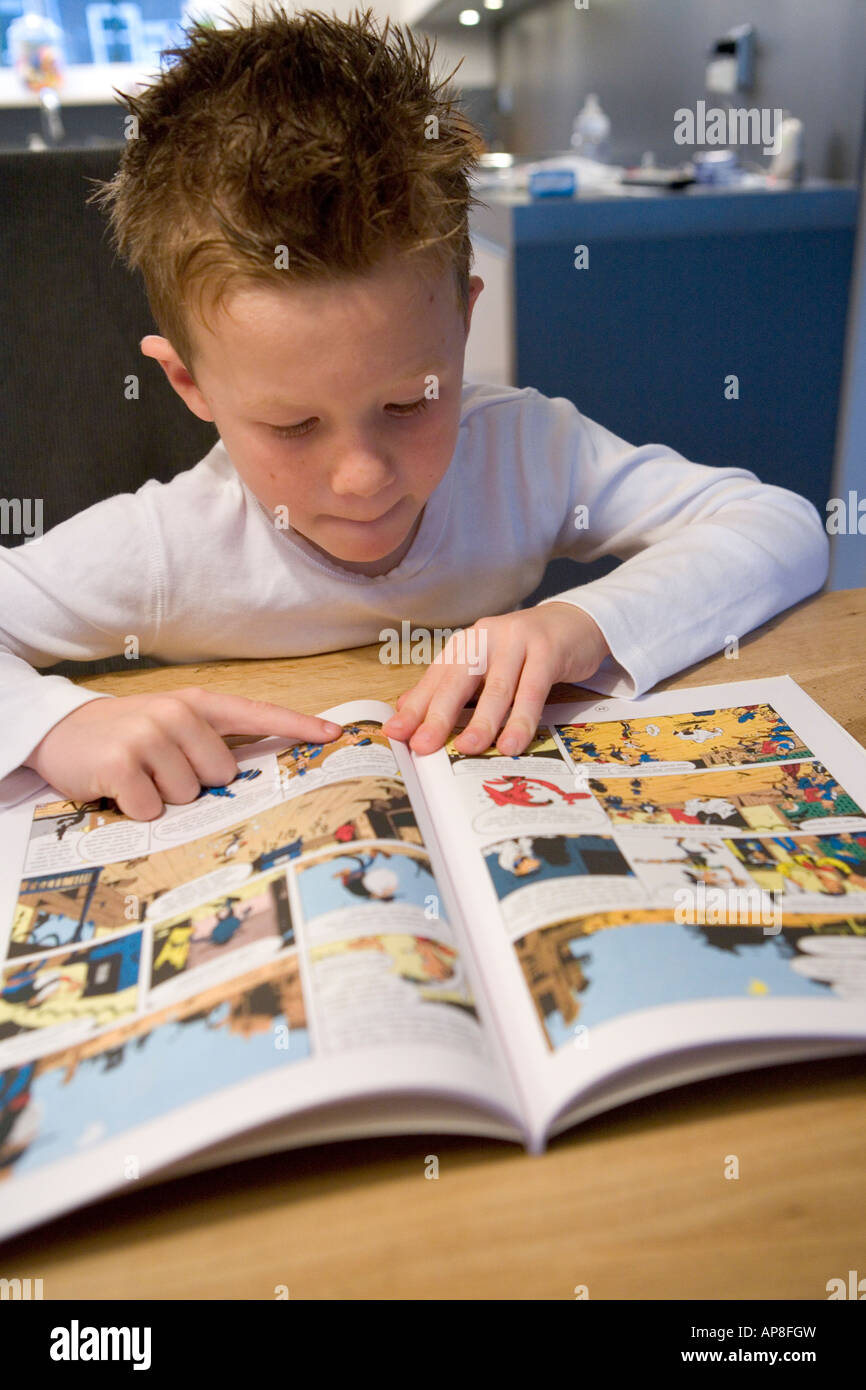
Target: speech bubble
[
  {"x": 851, "y": 973},
  {"x": 833, "y": 945},
  {"x": 108, "y": 844},
  {"x": 216, "y": 884}
]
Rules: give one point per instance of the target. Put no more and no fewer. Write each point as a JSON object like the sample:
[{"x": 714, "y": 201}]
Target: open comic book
[{"x": 351, "y": 940}]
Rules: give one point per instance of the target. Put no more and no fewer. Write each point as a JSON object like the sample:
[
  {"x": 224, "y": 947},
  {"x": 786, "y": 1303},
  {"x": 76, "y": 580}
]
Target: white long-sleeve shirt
[{"x": 196, "y": 570}]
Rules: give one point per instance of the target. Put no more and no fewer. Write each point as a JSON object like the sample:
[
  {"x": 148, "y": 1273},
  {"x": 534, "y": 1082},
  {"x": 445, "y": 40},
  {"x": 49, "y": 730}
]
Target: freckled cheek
[
  {"x": 271, "y": 478},
  {"x": 429, "y": 464}
]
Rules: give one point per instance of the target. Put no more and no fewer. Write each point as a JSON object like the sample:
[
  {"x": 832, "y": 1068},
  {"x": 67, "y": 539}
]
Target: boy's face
[{"x": 322, "y": 397}]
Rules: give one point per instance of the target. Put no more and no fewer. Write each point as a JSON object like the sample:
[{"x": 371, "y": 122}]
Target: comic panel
[
  {"x": 220, "y": 938},
  {"x": 67, "y": 834},
  {"x": 390, "y": 989},
  {"x": 362, "y": 808},
  {"x": 63, "y": 910},
  {"x": 78, "y": 991},
  {"x": 79, "y": 1096},
  {"x": 667, "y": 864},
  {"x": 332, "y": 814},
  {"x": 536, "y": 877},
  {"x": 835, "y": 961},
  {"x": 383, "y": 963},
  {"x": 805, "y": 867},
  {"x": 362, "y": 750},
  {"x": 542, "y": 758},
  {"x": 671, "y": 742},
  {"x": 513, "y": 803},
  {"x": 216, "y": 809},
  {"x": 775, "y": 796},
  {"x": 583, "y": 971},
  {"x": 367, "y": 888}
]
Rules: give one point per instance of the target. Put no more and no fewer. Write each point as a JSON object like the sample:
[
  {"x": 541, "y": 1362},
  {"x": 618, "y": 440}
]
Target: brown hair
[{"x": 308, "y": 133}]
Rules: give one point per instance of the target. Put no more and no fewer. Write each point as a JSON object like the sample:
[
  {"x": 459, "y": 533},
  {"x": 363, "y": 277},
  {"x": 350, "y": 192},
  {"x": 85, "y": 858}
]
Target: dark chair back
[{"x": 71, "y": 319}]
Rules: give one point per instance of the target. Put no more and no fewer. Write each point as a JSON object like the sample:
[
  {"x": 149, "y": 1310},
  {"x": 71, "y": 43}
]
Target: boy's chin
[{"x": 369, "y": 545}]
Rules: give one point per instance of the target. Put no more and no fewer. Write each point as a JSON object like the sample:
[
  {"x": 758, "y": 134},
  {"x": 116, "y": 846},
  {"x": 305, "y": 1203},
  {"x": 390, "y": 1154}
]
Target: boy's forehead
[
  {"x": 398, "y": 321},
  {"x": 394, "y": 290}
]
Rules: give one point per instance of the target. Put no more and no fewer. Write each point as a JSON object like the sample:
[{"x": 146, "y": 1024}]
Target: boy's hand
[
  {"x": 526, "y": 653},
  {"x": 144, "y": 750}
]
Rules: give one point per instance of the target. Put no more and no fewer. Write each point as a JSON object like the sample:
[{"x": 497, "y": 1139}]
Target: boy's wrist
[{"x": 592, "y": 631}]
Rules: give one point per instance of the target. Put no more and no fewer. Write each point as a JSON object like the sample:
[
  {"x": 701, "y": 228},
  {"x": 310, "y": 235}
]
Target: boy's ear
[
  {"x": 476, "y": 285},
  {"x": 161, "y": 350}
]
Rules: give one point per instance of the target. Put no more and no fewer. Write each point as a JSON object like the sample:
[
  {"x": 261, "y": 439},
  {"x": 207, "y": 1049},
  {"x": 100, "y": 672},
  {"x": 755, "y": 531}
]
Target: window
[{"x": 104, "y": 31}]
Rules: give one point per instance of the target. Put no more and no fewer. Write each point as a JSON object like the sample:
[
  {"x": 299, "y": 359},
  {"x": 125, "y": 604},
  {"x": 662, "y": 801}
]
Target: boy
[{"x": 296, "y": 195}]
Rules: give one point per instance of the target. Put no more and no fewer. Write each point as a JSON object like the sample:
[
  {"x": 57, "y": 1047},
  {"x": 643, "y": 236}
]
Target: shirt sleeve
[
  {"x": 708, "y": 553},
  {"x": 84, "y": 590}
]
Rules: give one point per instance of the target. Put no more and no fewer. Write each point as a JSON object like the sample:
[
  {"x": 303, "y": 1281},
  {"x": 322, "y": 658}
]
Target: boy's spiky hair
[{"x": 321, "y": 136}]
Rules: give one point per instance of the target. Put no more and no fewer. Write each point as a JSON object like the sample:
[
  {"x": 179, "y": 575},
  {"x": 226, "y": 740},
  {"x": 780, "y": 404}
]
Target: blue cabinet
[{"x": 681, "y": 293}]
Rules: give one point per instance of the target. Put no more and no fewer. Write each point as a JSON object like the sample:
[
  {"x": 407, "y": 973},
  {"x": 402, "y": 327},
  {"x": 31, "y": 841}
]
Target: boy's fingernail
[{"x": 332, "y": 729}]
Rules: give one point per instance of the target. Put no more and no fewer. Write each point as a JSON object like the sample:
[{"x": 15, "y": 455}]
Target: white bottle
[
  {"x": 787, "y": 163},
  {"x": 591, "y": 129}
]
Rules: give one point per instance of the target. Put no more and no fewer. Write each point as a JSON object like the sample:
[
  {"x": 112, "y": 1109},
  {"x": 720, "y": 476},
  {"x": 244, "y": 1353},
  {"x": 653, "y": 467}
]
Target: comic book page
[
  {"x": 277, "y": 944},
  {"x": 656, "y": 875}
]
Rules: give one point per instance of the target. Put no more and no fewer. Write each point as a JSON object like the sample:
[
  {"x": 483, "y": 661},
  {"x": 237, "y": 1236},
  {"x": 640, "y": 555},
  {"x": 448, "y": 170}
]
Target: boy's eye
[{"x": 293, "y": 431}]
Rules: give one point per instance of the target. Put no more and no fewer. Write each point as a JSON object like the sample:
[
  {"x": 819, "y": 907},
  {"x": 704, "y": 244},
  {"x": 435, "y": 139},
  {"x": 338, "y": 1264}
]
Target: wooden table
[{"x": 633, "y": 1204}]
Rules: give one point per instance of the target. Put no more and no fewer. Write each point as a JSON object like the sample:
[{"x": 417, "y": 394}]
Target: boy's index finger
[
  {"x": 237, "y": 715},
  {"x": 412, "y": 712}
]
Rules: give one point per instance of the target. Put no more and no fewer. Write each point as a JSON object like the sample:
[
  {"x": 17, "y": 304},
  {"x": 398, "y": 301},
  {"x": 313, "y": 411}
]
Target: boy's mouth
[{"x": 369, "y": 520}]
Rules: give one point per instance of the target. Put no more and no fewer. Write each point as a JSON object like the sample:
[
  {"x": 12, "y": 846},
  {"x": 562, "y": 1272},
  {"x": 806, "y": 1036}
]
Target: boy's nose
[{"x": 362, "y": 474}]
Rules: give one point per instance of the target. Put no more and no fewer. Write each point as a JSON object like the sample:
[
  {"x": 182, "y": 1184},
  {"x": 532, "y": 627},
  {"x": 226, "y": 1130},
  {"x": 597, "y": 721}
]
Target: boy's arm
[
  {"x": 708, "y": 553},
  {"x": 30, "y": 705},
  {"x": 92, "y": 587},
  {"x": 78, "y": 593}
]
